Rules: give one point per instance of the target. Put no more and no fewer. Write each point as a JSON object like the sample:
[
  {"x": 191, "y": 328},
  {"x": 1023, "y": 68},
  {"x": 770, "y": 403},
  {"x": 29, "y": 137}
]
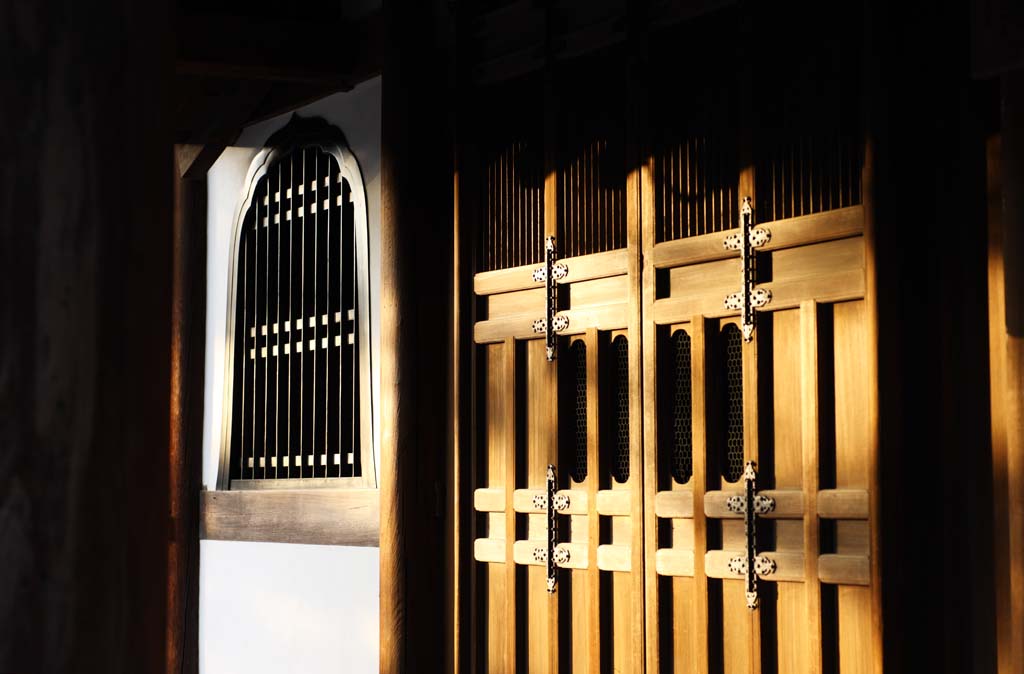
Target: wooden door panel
[
  {"x": 805, "y": 392},
  {"x": 532, "y": 413}
]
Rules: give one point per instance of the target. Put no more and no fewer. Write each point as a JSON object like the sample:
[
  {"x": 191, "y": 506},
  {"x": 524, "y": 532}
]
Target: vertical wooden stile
[
  {"x": 551, "y": 112},
  {"x": 650, "y": 436},
  {"x": 809, "y": 445},
  {"x": 593, "y": 573},
  {"x": 699, "y": 481},
  {"x": 751, "y": 398},
  {"x": 511, "y": 594},
  {"x": 636, "y": 122},
  {"x": 872, "y": 406}
]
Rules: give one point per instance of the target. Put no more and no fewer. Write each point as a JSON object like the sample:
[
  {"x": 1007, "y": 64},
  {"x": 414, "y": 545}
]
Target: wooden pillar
[
  {"x": 925, "y": 194},
  {"x": 416, "y": 264},
  {"x": 1011, "y": 379},
  {"x": 85, "y": 312},
  {"x": 188, "y": 349}
]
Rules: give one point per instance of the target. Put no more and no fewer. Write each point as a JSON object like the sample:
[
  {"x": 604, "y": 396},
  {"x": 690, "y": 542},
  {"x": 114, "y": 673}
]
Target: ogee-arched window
[{"x": 297, "y": 386}]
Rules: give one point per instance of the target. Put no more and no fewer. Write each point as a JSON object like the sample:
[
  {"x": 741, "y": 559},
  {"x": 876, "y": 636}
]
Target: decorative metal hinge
[
  {"x": 554, "y": 555},
  {"x": 549, "y": 275},
  {"x": 749, "y": 297},
  {"x": 750, "y": 505}
]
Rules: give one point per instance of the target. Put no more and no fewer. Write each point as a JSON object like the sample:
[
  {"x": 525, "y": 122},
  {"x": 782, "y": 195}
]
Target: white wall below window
[
  {"x": 307, "y": 609},
  {"x": 267, "y": 608}
]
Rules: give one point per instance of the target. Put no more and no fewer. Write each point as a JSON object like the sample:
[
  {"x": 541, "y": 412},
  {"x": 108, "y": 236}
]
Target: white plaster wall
[{"x": 267, "y": 607}]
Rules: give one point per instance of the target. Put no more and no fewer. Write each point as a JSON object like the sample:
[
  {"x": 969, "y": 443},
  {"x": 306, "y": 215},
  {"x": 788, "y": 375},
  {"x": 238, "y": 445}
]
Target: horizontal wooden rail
[
  {"x": 789, "y": 566},
  {"x": 673, "y": 504},
  {"x": 606, "y": 317},
  {"x": 614, "y": 558},
  {"x": 314, "y": 516},
  {"x": 806, "y": 229},
  {"x": 614, "y": 502},
  {"x": 582, "y": 268},
  {"x": 489, "y": 550},
  {"x": 522, "y": 553},
  {"x": 522, "y": 501},
  {"x": 843, "y": 504},
  {"x": 673, "y": 562},
  {"x": 789, "y": 503},
  {"x": 844, "y": 569}
]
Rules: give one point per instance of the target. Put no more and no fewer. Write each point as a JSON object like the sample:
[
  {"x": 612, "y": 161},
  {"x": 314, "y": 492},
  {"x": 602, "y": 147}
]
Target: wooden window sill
[{"x": 312, "y": 516}]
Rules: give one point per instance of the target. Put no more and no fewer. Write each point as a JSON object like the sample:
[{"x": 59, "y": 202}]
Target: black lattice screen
[
  {"x": 732, "y": 466},
  {"x": 295, "y": 355},
  {"x": 619, "y": 431},
  {"x": 681, "y": 459},
  {"x": 578, "y": 363}
]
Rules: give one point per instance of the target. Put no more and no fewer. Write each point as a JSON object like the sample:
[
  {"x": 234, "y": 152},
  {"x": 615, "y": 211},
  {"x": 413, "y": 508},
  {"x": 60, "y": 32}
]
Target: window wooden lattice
[{"x": 298, "y": 362}]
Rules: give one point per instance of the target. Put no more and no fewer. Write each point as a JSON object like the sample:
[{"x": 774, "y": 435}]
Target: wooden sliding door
[
  {"x": 558, "y": 179},
  {"x": 672, "y": 463}
]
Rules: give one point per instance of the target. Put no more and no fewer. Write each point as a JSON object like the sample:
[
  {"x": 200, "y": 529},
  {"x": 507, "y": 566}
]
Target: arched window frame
[{"x": 298, "y": 134}]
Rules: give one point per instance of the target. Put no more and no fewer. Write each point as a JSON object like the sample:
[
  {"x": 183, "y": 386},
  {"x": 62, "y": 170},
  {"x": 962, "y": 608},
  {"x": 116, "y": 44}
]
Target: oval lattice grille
[
  {"x": 619, "y": 356},
  {"x": 578, "y": 358},
  {"x": 732, "y": 466},
  {"x": 681, "y": 463},
  {"x": 295, "y": 403}
]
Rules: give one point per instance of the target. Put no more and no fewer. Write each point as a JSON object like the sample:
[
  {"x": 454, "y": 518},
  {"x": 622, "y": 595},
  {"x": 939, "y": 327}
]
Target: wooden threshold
[{"x": 316, "y": 517}]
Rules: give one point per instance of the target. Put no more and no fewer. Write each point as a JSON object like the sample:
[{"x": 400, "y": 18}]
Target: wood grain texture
[
  {"x": 843, "y": 504},
  {"x": 582, "y": 268},
  {"x": 998, "y": 395},
  {"x": 606, "y": 317},
  {"x": 648, "y": 333},
  {"x": 187, "y": 376},
  {"x": 699, "y": 647},
  {"x": 87, "y": 304},
  {"x": 416, "y": 240},
  {"x": 507, "y": 613},
  {"x": 807, "y": 229},
  {"x": 312, "y": 516},
  {"x": 1012, "y": 171},
  {"x": 811, "y": 466}
]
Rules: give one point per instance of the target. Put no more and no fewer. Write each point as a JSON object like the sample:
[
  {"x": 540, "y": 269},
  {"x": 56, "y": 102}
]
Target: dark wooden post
[
  {"x": 416, "y": 264},
  {"x": 1011, "y": 380},
  {"x": 188, "y": 347},
  {"x": 925, "y": 194},
  {"x": 85, "y": 313}
]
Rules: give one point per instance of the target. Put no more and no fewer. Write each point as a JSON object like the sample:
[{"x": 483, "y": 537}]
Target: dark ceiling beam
[
  {"x": 332, "y": 53},
  {"x": 498, "y": 58},
  {"x": 215, "y": 116}
]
